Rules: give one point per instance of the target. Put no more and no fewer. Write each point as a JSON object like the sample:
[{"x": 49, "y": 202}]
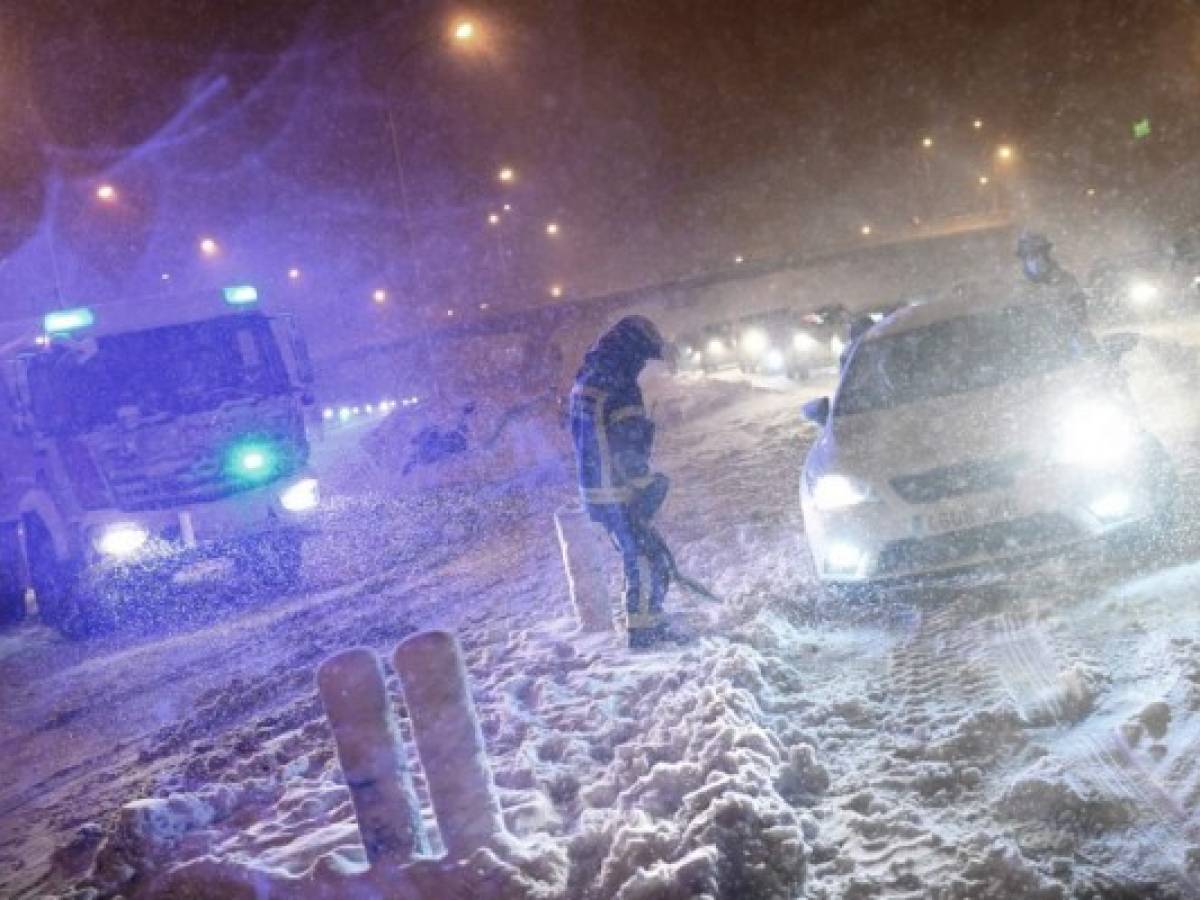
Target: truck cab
[{"x": 134, "y": 458}]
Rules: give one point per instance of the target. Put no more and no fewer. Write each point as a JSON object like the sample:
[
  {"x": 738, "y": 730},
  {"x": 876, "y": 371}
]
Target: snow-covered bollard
[
  {"x": 449, "y": 742},
  {"x": 587, "y": 580},
  {"x": 372, "y": 757}
]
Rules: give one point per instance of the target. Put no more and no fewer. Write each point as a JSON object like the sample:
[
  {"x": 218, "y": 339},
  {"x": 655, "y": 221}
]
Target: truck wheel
[
  {"x": 12, "y": 587},
  {"x": 61, "y": 602}
]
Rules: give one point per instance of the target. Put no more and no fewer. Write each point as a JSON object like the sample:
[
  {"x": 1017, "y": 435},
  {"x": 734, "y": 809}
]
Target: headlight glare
[
  {"x": 837, "y": 492},
  {"x": 1095, "y": 435},
  {"x": 301, "y": 496},
  {"x": 120, "y": 539}
]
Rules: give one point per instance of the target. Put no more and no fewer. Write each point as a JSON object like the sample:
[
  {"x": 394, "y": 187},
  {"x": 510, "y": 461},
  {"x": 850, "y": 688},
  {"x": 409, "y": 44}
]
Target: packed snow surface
[{"x": 1035, "y": 736}]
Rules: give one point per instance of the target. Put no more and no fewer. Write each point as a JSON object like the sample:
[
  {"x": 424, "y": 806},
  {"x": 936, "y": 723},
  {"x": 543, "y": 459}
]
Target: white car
[{"x": 973, "y": 430}]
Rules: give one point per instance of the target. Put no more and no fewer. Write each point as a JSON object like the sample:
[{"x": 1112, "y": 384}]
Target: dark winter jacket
[{"x": 611, "y": 432}]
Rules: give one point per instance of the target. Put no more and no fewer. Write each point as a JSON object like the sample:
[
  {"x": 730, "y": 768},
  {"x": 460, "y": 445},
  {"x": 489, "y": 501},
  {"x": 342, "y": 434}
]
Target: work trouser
[{"x": 647, "y": 570}]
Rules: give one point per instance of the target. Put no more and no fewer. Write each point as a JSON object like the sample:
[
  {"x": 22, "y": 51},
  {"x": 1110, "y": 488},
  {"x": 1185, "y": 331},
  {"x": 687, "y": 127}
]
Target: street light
[
  {"x": 493, "y": 218},
  {"x": 450, "y": 313},
  {"x": 983, "y": 180},
  {"x": 552, "y": 228},
  {"x": 556, "y": 290},
  {"x": 464, "y": 30},
  {"x": 866, "y": 230},
  {"x": 379, "y": 296},
  {"x": 1004, "y": 153},
  {"x": 927, "y": 142},
  {"x": 739, "y": 259},
  {"x": 106, "y": 193},
  {"x": 209, "y": 247},
  {"x": 506, "y": 174},
  {"x": 293, "y": 273},
  {"x": 978, "y": 124}
]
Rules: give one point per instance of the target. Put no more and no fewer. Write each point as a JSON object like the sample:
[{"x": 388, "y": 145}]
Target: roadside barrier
[
  {"x": 587, "y": 580},
  {"x": 449, "y": 742},
  {"x": 356, "y": 703}
]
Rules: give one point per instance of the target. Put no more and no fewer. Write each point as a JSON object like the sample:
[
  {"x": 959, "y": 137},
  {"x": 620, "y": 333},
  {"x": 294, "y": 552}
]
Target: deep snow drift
[{"x": 1031, "y": 738}]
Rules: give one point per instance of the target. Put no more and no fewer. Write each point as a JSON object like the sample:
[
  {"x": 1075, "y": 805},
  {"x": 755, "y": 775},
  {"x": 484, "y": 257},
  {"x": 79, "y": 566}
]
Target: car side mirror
[
  {"x": 817, "y": 411},
  {"x": 1117, "y": 345}
]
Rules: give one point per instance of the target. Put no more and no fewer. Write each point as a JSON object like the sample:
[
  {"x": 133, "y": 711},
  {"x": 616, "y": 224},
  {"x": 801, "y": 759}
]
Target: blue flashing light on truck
[{"x": 130, "y": 458}]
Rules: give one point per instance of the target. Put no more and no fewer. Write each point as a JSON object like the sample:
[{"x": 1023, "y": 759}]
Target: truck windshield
[
  {"x": 162, "y": 371},
  {"x": 959, "y": 355}
]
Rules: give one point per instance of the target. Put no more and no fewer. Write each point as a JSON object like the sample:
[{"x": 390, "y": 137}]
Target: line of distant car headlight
[
  {"x": 382, "y": 408},
  {"x": 755, "y": 345}
]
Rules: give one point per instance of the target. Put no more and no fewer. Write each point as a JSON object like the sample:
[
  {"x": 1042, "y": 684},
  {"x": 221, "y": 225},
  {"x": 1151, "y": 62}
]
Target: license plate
[{"x": 964, "y": 517}]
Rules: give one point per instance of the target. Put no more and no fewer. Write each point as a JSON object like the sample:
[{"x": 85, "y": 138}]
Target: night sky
[{"x": 663, "y": 137}]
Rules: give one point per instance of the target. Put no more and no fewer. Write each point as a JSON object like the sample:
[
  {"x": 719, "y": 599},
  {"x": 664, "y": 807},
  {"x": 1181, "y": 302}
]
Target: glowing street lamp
[
  {"x": 1004, "y": 153},
  {"x": 556, "y": 290},
  {"x": 507, "y": 175},
  {"x": 508, "y": 207},
  {"x": 865, "y": 230},
  {"x": 464, "y": 30},
  {"x": 493, "y": 218},
  {"x": 293, "y": 273},
  {"x": 209, "y": 247},
  {"x": 977, "y": 124},
  {"x": 927, "y": 142},
  {"x": 379, "y": 295},
  {"x": 552, "y": 229},
  {"x": 450, "y": 313},
  {"x": 739, "y": 259},
  {"x": 484, "y": 306},
  {"x": 983, "y": 180},
  {"x": 106, "y": 193}
]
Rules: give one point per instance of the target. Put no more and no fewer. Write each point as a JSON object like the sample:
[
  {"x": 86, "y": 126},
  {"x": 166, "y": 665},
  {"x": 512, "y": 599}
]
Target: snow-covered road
[{"x": 1031, "y": 738}]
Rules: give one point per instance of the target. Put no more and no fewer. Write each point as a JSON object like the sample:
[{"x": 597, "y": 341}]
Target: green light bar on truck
[
  {"x": 64, "y": 321},
  {"x": 241, "y": 295}
]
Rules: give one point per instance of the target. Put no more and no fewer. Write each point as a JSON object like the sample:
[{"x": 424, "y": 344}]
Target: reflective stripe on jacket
[{"x": 612, "y": 436}]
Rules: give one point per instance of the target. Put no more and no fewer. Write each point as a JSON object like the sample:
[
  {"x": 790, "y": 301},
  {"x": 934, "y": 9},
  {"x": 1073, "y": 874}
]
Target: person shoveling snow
[{"x": 613, "y": 437}]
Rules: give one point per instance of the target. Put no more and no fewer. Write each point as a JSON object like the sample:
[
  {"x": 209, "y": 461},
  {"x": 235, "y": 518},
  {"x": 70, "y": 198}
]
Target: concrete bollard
[
  {"x": 449, "y": 742},
  {"x": 368, "y": 746},
  {"x": 587, "y": 579}
]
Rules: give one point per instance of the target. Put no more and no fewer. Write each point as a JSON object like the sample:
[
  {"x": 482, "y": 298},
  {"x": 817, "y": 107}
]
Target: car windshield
[
  {"x": 960, "y": 355},
  {"x": 162, "y": 371}
]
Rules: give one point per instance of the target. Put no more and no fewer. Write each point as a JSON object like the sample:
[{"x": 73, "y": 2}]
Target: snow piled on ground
[{"x": 1035, "y": 739}]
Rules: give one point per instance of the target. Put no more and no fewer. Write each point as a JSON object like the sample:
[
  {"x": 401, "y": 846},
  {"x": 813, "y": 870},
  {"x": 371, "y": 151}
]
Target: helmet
[
  {"x": 637, "y": 335},
  {"x": 1030, "y": 243}
]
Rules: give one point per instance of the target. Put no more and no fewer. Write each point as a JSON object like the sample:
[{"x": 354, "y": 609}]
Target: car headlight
[
  {"x": 804, "y": 343},
  {"x": 120, "y": 539},
  {"x": 832, "y": 492},
  {"x": 1095, "y": 435},
  {"x": 301, "y": 496},
  {"x": 1143, "y": 292},
  {"x": 754, "y": 341}
]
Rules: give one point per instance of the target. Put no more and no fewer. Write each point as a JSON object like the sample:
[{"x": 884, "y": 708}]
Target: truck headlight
[
  {"x": 301, "y": 496},
  {"x": 1095, "y": 435},
  {"x": 120, "y": 539},
  {"x": 832, "y": 492}
]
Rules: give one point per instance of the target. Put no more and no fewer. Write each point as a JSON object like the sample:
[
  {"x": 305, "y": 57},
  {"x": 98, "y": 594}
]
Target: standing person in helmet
[
  {"x": 1041, "y": 268},
  {"x": 613, "y": 437}
]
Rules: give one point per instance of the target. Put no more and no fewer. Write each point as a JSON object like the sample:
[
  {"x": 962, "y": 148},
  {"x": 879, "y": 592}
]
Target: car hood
[{"x": 1011, "y": 418}]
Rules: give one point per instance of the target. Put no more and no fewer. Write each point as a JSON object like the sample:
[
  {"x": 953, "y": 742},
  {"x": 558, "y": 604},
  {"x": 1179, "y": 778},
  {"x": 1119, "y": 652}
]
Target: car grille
[
  {"x": 995, "y": 539},
  {"x": 974, "y": 477}
]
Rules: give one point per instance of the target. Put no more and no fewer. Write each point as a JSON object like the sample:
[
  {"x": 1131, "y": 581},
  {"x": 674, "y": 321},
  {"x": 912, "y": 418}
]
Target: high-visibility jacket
[{"x": 612, "y": 434}]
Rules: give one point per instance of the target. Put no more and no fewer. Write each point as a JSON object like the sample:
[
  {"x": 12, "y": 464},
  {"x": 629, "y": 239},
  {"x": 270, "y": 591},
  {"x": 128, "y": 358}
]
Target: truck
[{"x": 138, "y": 456}]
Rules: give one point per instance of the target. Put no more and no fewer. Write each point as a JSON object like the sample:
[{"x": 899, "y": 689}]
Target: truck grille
[
  {"x": 995, "y": 539},
  {"x": 973, "y": 477}
]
